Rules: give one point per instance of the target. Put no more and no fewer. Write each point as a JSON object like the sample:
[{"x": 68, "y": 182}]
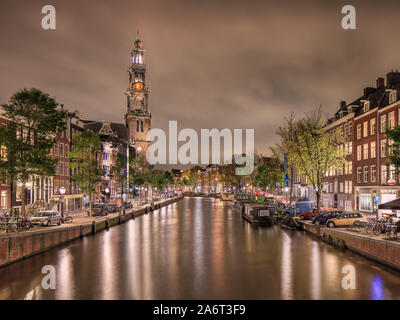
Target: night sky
[{"x": 223, "y": 64}]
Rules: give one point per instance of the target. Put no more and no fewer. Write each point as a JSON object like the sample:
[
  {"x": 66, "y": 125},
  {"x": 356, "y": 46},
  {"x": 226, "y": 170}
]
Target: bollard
[
  {"x": 133, "y": 215},
  {"x": 107, "y": 222},
  {"x": 93, "y": 227}
]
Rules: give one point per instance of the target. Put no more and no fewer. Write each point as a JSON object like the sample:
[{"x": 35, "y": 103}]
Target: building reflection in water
[
  {"x": 286, "y": 268},
  {"x": 377, "y": 288},
  {"x": 64, "y": 274},
  {"x": 315, "y": 271}
]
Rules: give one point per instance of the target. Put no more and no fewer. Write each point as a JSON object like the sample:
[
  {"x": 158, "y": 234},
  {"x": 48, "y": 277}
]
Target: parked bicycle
[{"x": 67, "y": 219}]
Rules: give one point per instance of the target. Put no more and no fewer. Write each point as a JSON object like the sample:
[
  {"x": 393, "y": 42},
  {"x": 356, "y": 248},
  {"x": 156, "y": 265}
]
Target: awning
[{"x": 391, "y": 205}]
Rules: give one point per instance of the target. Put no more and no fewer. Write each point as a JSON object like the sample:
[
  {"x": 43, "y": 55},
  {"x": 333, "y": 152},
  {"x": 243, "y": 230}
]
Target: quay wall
[
  {"x": 15, "y": 247},
  {"x": 383, "y": 251}
]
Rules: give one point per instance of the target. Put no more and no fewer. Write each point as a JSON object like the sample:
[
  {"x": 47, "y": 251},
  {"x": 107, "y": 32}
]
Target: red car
[{"x": 309, "y": 214}]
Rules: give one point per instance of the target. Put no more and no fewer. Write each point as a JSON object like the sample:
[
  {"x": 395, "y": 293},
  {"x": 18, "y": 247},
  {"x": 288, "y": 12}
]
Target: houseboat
[{"x": 258, "y": 214}]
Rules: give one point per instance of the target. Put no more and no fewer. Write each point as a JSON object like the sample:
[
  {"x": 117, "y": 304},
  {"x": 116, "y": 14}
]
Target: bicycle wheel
[{"x": 68, "y": 219}]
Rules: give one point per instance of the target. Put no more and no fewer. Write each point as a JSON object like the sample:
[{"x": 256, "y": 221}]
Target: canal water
[{"x": 198, "y": 248}]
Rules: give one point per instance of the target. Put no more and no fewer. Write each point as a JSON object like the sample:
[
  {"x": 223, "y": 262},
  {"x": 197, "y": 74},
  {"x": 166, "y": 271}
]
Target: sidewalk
[{"x": 82, "y": 218}]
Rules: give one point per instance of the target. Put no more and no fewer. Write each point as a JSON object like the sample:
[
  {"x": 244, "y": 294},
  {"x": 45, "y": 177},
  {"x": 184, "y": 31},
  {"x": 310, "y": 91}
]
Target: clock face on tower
[{"x": 138, "y": 85}]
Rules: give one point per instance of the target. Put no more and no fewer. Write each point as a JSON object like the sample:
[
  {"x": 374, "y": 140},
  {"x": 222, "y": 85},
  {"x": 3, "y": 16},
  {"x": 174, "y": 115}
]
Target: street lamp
[
  {"x": 107, "y": 191},
  {"x": 62, "y": 192}
]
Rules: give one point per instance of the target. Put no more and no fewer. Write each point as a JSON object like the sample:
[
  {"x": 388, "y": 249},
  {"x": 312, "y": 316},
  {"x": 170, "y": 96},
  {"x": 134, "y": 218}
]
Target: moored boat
[{"x": 258, "y": 214}]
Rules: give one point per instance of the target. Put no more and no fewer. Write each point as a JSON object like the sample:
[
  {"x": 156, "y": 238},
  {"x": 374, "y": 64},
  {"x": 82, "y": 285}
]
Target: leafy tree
[
  {"x": 84, "y": 162},
  {"x": 161, "y": 179},
  {"x": 270, "y": 175},
  {"x": 281, "y": 150},
  {"x": 35, "y": 121},
  {"x": 394, "y": 149},
  {"x": 189, "y": 178},
  {"x": 119, "y": 172},
  {"x": 315, "y": 150},
  {"x": 140, "y": 172}
]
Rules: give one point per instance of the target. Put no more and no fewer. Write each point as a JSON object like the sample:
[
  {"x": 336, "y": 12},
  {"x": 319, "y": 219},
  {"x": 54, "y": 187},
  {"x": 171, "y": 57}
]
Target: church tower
[{"x": 138, "y": 117}]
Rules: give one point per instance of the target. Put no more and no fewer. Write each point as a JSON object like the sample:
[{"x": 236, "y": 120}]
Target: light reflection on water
[{"x": 197, "y": 249}]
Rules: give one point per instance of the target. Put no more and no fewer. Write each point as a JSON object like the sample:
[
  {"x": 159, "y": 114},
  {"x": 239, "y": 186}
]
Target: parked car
[
  {"x": 98, "y": 209},
  {"x": 112, "y": 207},
  {"x": 127, "y": 205},
  {"x": 299, "y": 207},
  {"x": 324, "y": 217},
  {"x": 310, "y": 214},
  {"x": 46, "y": 218},
  {"x": 345, "y": 219}
]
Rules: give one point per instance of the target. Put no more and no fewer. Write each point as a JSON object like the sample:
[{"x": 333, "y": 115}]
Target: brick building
[{"x": 373, "y": 179}]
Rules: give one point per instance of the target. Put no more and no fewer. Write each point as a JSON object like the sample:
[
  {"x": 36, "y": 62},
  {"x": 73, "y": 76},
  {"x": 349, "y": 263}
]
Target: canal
[{"x": 198, "y": 248}]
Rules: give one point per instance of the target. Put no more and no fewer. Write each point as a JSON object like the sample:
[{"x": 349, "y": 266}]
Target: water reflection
[{"x": 197, "y": 249}]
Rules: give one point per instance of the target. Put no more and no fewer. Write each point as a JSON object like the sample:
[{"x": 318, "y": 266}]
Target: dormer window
[
  {"x": 366, "y": 106},
  {"x": 349, "y": 109},
  {"x": 392, "y": 96}
]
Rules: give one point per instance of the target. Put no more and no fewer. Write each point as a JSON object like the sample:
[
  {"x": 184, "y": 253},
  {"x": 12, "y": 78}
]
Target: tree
[
  {"x": 280, "y": 150},
  {"x": 394, "y": 149},
  {"x": 84, "y": 162},
  {"x": 161, "y": 179},
  {"x": 140, "y": 172},
  {"x": 119, "y": 172},
  {"x": 270, "y": 175},
  {"x": 35, "y": 121},
  {"x": 189, "y": 178},
  {"x": 315, "y": 150}
]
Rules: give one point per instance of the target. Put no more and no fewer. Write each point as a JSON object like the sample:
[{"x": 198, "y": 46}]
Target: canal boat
[
  {"x": 258, "y": 214},
  {"x": 239, "y": 202}
]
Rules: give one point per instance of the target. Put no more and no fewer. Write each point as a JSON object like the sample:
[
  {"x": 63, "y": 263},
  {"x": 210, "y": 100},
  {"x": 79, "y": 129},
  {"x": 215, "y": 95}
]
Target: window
[
  {"x": 365, "y": 201},
  {"x": 350, "y": 167},
  {"x": 373, "y": 173},
  {"x": 350, "y": 187},
  {"x": 61, "y": 151},
  {"x": 372, "y": 126},
  {"x": 358, "y": 131},
  {"x": 56, "y": 149},
  {"x": 55, "y": 186},
  {"x": 392, "y": 172},
  {"x": 341, "y": 187},
  {"x": 359, "y": 175},
  {"x": 61, "y": 168},
  {"x": 4, "y": 204},
  {"x": 366, "y": 106},
  {"x": 66, "y": 147},
  {"x": 350, "y": 147},
  {"x": 137, "y": 125},
  {"x": 383, "y": 123},
  {"x": 365, "y": 149},
  {"x": 383, "y": 174},
  {"x": 66, "y": 166},
  {"x": 392, "y": 96},
  {"x": 373, "y": 149},
  {"x": 389, "y": 148},
  {"x": 365, "y": 174},
  {"x": 383, "y": 148},
  {"x": 359, "y": 153},
  {"x": 350, "y": 128},
  {"x": 391, "y": 120},
  {"x": 365, "y": 131},
  {"x": 141, "y": 125},
  {"x": 346, "y": 187}
]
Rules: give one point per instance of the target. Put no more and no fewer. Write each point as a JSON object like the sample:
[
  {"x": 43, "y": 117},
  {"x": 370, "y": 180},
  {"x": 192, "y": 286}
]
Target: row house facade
[{"x": 372, "y": 179}]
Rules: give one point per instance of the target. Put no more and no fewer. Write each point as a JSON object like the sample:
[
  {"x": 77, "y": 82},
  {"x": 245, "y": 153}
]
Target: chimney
[
  {"x": 342, "y": 104},
  {"x": 393, "y": 79},
  {"x": 380, "y": 82}
]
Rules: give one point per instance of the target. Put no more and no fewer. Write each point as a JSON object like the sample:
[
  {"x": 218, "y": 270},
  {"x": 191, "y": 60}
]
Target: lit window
[
  {"x": 373, "y": 173},
  {"x": 372, "y": 126},
  {"x": 365, "y": 147},
  {"x": 373, "y": 149},
  {"x": 365, "y": 131},
  {"x": 383, "y": 123}
]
